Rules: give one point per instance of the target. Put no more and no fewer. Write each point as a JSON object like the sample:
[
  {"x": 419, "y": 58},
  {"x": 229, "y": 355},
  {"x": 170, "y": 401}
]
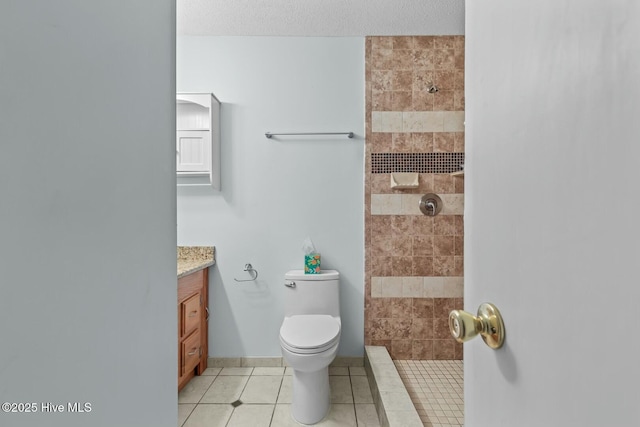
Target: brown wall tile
[
  {"x": 441, "y": 328},
  {"x": 458, "y": 245},
  {"x": 402, "y": 101},
  {"x": 381, "y": 266},
  {"x": 400, "y": 328},
  {"x": 459, "y": 80},
  {"x": 401, "y": 308},
  {"x": 443, "y": 245},
  {"x": 444, "y": 42},
  {"x": 444, "y": 59},
  {"x": 401, "y": 143},
  {"x": 380, "y": 329},
  {"x": 444, "y": 225},
  {"x": 445, "y": 80},
  {"x": 458, "y": 266},
  {"x": 385, "y": 343},
  {"x": 443, "y": 266},
  {"x": 402, "y": 80},
  {"x": 402, "y": 42},
  {"x": 459, "y": 225},
  {"x": 426, "y": 186},
  {"x": 423, "y": 59},
  {"x": 442, "y": 307},
  {"x": 444, "y": 183},
  {"x": 423, "y": 79},
  {"x": 458, "y": 103},
  {"x": 402, "y": 266},
  {"x": 459, "y": 184},
  {"x": 458, "y": 351},
  {"x": 422, "y": 350},
  {"x": 381, "y": 80},
  {"x": 459, "y": 142},
  {"x": 423, "y": 246},
  {"x": 444, "y": 101},
  {"x": 423, "y": 225},
  {"x": 401, "y": 349},
  {"x": 422, "y": 329},
  {"x": 422, "y": 266},
  {"x": 382, "y": 59},
  {"x": 382, "y": 101},
  {"x": 443, "y": 142},
  {"x": 380, "y": 308},
  {"x": 399, "y": 71},
  {"x": 380, "y": 143},
  {"x": 381, "y": 42},
  {"x": 443, "y": 349},
  {"x": 380, "y": 185},
  {"x": 423, "y": 308},
  {"x": 402, "y": 59},
  {"x": 400, "y": 225},
  {"x": 424, "y": 42}
]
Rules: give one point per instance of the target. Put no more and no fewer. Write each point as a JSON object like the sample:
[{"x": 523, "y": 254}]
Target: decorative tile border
[
  {"x": 416, "y": 162},
  {"x": 408, "y": 204},
  {"x": 417, "y": 121},
  {"x": 417, "y": 287}
]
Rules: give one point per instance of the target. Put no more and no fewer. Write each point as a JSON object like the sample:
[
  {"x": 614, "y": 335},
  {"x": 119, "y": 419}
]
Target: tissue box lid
[{"x": 323, "y": 275}]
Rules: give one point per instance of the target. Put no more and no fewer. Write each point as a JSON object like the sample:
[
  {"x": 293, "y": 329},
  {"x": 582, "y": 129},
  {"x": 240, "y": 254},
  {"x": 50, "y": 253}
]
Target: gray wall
[
  {"x": 87, "y": 209},
  {"x": 276, "y": 192}
]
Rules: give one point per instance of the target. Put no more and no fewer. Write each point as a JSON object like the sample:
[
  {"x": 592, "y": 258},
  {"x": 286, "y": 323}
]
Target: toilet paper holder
[{"x": 252, "y": 271}]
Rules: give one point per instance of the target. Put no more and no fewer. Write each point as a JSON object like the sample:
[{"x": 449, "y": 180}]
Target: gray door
[{"x": 552, "y": 211}]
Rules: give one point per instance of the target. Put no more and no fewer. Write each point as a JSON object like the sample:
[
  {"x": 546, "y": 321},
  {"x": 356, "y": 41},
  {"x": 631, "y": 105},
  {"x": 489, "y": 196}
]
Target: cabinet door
[
  {"x": 191, "y": 351},
  {"x": 193, "y": 151},
  {"x": 191, "y": 314}
]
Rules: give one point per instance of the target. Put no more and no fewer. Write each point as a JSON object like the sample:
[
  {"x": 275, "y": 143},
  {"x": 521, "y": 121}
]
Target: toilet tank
[{"x": 312, "y": 293}]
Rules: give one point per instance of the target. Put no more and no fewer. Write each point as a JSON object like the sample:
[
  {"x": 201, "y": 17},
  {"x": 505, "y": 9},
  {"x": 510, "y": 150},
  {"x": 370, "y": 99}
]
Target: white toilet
[{"x": 309, "y": 338}]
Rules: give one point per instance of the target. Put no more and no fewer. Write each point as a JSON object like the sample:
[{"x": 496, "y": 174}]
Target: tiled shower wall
[{"x": 413, "y": 263}]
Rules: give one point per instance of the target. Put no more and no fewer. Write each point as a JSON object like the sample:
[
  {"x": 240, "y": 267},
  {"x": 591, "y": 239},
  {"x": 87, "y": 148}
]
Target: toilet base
[{"x": 311, "y": 396}]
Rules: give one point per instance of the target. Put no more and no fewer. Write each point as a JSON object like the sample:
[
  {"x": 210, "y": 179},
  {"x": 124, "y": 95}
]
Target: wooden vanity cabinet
[{"x": 192, "y": 325}]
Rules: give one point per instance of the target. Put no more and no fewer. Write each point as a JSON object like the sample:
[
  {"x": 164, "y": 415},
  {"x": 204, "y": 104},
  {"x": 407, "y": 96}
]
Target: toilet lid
[{"x": 309, "y": 330}]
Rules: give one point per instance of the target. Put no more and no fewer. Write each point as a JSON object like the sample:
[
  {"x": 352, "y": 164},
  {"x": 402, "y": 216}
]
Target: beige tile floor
[
  {"x": 436, "y": 390},
  {"x": 266, "y": 396}
]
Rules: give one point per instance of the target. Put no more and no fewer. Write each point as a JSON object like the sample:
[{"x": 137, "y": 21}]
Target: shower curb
[{"x": 390, "y": 397}]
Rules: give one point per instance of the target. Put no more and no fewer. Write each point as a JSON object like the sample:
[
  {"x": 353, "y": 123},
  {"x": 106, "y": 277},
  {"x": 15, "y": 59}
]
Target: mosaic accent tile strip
[{"x": 416, "y": 162}]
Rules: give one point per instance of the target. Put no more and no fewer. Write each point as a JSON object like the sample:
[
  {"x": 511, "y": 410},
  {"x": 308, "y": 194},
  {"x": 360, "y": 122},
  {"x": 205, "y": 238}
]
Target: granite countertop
[{"x": 194, "y": 258}]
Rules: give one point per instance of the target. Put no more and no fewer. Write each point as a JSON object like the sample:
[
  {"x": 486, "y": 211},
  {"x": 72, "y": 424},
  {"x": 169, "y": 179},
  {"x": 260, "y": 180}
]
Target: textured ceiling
[{"x": 320, "y": 17}]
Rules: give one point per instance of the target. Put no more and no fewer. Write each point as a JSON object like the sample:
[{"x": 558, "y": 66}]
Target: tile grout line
[{"x": 275, "y": 404}]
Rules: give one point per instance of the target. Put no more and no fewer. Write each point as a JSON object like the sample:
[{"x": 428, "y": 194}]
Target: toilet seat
[{"x": 309, "y": 333}]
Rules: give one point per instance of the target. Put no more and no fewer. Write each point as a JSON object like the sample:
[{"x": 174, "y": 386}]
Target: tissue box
[{"x": 312, "y": 264}]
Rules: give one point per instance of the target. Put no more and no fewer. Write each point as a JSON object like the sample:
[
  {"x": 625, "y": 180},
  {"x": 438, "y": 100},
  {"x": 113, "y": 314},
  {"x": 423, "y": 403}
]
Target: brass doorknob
[{"x": 488, "y": 323}]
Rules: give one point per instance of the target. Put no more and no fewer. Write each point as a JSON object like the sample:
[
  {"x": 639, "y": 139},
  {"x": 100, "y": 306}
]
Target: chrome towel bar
[{"x": 270, "y": 134}]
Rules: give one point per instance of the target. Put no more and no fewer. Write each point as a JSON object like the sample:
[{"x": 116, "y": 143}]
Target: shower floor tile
[
  {"x": 436, "y": 390},
  {"x": 265, "y": 394}
]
